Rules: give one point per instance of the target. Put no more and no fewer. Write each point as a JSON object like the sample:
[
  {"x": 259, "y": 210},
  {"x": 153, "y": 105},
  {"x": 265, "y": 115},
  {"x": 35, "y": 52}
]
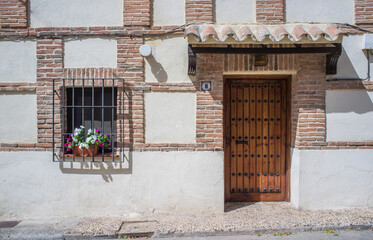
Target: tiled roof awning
[{"x": 262, "y": 33}]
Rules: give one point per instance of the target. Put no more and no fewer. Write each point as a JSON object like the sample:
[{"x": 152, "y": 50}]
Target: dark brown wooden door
[{"x": 255, "y": 134}]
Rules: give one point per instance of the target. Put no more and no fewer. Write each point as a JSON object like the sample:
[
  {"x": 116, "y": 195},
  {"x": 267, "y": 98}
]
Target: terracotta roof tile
[{"x": 276, "y": 33}]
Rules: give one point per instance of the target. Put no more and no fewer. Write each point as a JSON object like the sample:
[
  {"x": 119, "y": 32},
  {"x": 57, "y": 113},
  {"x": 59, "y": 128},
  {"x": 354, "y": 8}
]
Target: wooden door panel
[{"x": 256, "y": 138}]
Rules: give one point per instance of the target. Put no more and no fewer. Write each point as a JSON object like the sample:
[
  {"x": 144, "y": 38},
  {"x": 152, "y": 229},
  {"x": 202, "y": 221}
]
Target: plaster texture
[
  {"x": 349, "y": 115},
  {"x": 90, "y": 52},
  {"x": 170, "y": 117},
  {"x": 331, "y": 11},
  {"x": 235, "y": 11},
  {"x": 169, "y": 60},
  {"x": 166, "y": 12},
  {"x": 76, "y": 13},
  {"x": 294, "y": 176},
  {"x": 18, "y": 118},
  {"x": 353, "y": 62},
  {"x": 32, "y": 186},
  {"x": 11, "y": 68},
  {"x": 333, "y": 179}
]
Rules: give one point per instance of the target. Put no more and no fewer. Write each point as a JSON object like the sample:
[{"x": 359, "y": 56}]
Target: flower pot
[{"x": 93, "y": 149}]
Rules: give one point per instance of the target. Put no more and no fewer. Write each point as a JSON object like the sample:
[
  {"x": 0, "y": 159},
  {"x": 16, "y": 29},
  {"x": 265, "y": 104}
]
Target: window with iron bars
[{"x": 88, "y": 120}]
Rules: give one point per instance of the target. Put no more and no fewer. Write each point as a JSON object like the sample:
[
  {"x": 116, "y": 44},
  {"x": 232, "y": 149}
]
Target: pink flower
[
  {"x": 101, "y": 144},
  {"x": 69, "y": 135},
  {"x": 96, "y": 140},
  {"x": 110, "y": 143},
  {"x": 70, "y": 143},
  {"x": 65, "y": 144},
  {"x": 97, "y": 130},
  {"x": 68, "y": 149},
  {"x": 68, "y": 139},
  {"x": 108, "y": 135}
]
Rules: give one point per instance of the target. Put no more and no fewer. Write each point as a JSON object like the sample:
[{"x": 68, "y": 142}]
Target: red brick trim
[
  {"x": 270, "y": 11},
  {"x": 50, "y": 62},
  {"x": 18, "y": 87},
  {"x": 89, "y": 73},
  {"x": 13, "y": 13},
  {"x": 199, "y": 11},
  {"x": 136, "y": 12},
  {"x": 364, "y": 12}
]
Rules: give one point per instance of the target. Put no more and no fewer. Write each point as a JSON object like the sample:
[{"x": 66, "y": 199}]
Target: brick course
[
  {"x": 136, "y": 12},
  {"x": 364, "y": 13},
  {"x": 270, "y": 11},
  {"x": 13, "y": 13},
  {"x": 199, "y": 11}
]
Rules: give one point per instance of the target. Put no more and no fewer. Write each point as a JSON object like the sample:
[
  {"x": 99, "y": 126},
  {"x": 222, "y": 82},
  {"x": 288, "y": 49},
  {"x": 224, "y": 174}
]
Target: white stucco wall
[
  {"x": 170, "y": 117},
  {"x": 32, "y": 186},
  {"x": 76, "y": 13},
  {"x": 169, "y": 60},
  {"x": 353, "y": 62},
  {"x": 166, "y": 12},
  {"x": 330, "y": 11},
  {"x": 349, "y": 115},
  {"x": 18, "y": 122},
  {"x": 335, "y": 179},
  {"x": 235, "y": 11},
  {"x": 90, "y": 52},
  {"x": 294, "y": 177},
  {"x": 18, "y": 61}
]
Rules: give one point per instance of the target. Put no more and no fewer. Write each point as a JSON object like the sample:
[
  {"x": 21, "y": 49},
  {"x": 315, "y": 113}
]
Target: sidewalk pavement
[{"x": 248, "y": 219}]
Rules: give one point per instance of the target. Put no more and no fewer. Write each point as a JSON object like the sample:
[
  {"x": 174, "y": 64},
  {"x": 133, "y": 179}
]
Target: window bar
[
  {"x": 83, "y": 110},
  {"x": 53, "y": 120},
  {"x": 121, "y": 101},
  {"x": 73, "y": 110},
  {"x": 112, "y": 119},
  {"x": 102, "y": 116},
  {"x": 63, "y": 119},
  {"x": 93, "y": 111}
]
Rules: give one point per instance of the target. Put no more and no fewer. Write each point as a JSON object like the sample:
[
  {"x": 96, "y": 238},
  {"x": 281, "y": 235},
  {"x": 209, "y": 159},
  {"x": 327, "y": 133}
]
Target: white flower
[
  {"x": 76, "y": 131},
  {"x": 83, "y": 145},
  {"x": 90, "y": 131},
  {"x": 91, "y": 139},
  {"x": 81, "y": 126},
  {"x": 74, "y": 139}
]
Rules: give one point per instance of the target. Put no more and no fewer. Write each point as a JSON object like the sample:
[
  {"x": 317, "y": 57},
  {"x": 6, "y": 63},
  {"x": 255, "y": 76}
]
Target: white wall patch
[
  {"x": 76, "y": 13},
  {"x": 170, "y": 117},
  {"x": 166, "y": 12},
  {"x": 235, "y": 11},
  {"x": 18, "y": 61},
  {"x": 349, "y": 115},
  {"x": 331, "y": 11},
  {"x": 169, "y": 60},
  {"x": 18, "y": 118},
  {"x": 90, "y": 52}
]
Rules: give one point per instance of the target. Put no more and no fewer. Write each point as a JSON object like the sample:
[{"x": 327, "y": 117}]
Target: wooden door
[{"x": 255, "y": 139}]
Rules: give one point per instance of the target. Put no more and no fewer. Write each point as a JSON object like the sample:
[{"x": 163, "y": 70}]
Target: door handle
[{"x": 242, "y": 142}]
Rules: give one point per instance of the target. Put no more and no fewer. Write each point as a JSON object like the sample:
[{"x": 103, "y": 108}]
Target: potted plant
[{"x": 91, "y": 144}]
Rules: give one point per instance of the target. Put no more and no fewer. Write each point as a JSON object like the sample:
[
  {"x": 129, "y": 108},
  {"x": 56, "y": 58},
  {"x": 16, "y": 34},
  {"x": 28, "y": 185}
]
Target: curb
[
  {"x": 262, "y": 231},
  {"x": 224, "y": 233}
]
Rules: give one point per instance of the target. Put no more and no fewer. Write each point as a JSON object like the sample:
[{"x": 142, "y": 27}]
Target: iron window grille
[{"x": 92, "y": 103}]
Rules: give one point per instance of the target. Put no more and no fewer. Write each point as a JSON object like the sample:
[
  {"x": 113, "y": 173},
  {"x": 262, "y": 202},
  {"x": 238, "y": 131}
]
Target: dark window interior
[{"x": 101, "y": 116}]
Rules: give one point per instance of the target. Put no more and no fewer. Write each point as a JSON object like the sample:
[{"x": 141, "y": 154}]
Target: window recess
[{"x": 98, "y": 106}]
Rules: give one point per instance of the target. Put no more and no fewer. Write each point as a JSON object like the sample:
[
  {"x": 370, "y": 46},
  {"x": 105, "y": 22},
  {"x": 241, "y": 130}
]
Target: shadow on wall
[
  {"x": 108, "y": 169},
  {"x": 157, "y": 69},
  {"x": 357, "y": 101}
]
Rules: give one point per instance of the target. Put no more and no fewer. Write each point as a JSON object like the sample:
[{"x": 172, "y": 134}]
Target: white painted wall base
[
  {"x": 32, "y": 186},
  {"x": 332, "y": 179}
]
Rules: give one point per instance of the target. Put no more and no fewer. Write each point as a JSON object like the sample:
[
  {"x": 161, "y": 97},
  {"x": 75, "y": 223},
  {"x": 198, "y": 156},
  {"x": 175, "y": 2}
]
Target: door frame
[{"x": 226, "y": 123}]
